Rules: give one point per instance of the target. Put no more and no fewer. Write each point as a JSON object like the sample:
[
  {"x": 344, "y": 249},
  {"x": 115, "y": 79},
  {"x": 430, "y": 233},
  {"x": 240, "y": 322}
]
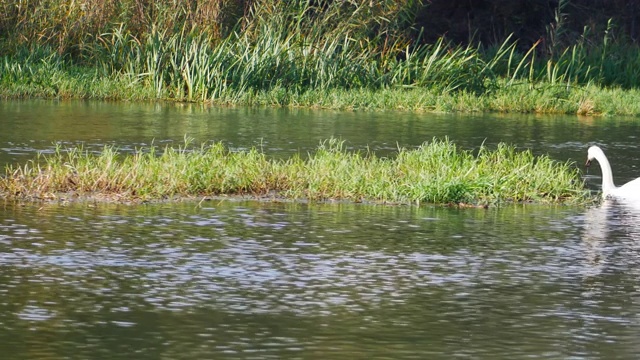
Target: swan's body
[{"x": 629, "y": 191}]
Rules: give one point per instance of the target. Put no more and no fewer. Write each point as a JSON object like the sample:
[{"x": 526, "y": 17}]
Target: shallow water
[{"x": 234, "y": 279}]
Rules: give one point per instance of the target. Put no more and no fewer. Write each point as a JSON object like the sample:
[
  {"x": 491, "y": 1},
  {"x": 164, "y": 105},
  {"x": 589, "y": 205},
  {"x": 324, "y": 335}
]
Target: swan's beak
[{"x": 588, "y": 163}]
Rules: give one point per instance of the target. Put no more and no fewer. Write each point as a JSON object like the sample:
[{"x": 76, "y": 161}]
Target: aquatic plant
[
  {"x": 280, "y": 67},
  {"x": 299, "y": 53},
  {"x": 436, "y": 172}
]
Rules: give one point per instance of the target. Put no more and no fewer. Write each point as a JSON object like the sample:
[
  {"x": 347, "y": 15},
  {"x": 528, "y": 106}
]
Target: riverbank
[
  {"x": 437, "y": 172},
  {"x": 49, "y": 75},
  {"x": 523, "y": 97},
  {"x": 297, "y": 54}
]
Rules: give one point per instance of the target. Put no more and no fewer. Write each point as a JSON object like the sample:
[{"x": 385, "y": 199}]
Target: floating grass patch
[{"x": 436, "y": 172}]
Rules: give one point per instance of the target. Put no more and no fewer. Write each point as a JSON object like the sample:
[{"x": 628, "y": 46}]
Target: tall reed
[{"x": 281, "y": 52}]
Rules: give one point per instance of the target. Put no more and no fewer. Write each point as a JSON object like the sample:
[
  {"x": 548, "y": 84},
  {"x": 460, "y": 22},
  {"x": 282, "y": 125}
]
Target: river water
[{"x": 260, "y": 280}]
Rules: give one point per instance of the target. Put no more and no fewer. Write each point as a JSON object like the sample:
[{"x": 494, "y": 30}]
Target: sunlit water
[{"x": 258, "y": 280}]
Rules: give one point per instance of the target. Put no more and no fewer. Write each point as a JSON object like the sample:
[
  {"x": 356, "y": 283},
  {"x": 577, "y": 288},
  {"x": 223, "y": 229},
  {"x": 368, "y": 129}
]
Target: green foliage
[
  {"x": 354, "y": 55},
  {"x": 279, "y": 49},
  {"x": 436, "y": 172}
]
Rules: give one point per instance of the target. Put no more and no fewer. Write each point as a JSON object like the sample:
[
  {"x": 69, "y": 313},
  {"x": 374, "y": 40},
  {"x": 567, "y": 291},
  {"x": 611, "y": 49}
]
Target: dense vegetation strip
[
  {"x": 331, "y": 54},
  {"x": 436, "y": 172}
]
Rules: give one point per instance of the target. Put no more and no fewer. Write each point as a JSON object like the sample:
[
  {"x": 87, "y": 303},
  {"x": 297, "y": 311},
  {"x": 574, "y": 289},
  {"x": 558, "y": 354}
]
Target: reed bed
[
  {"x": 437, "y": 172},
  {"x": 345, "y": 56}
]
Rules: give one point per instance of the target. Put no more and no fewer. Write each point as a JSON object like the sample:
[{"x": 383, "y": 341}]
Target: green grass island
[{"x": 437, "y": 172}]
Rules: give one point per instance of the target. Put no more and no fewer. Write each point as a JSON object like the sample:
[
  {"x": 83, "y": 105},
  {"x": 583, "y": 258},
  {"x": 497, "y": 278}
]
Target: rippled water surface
[
  {"x": 256, "y": 280},
  {"x": 265, "y": 280}
]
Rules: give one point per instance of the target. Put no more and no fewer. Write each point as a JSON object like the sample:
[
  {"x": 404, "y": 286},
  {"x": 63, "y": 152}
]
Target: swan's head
[{"x": 594, "y": 152}]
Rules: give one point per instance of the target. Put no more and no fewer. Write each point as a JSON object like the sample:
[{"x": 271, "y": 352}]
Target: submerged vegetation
[
  {"x": 436, "y": 172},
  {"x": 330, "y": 54}
]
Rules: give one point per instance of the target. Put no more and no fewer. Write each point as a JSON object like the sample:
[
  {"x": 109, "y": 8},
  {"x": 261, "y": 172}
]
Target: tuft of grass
[{"x": 436, "y": 172}]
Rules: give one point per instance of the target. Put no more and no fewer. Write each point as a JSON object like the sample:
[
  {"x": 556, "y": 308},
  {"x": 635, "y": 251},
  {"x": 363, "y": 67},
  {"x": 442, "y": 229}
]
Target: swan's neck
[{"x": 607, "y": 175}]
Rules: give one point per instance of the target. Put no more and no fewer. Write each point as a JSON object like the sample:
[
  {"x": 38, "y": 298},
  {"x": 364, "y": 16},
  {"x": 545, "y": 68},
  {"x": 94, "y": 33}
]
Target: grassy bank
[
  {"x": 437, "y": 172},
  {"x": 52, "y": 77},
  {"x": 297, "y": 54}
]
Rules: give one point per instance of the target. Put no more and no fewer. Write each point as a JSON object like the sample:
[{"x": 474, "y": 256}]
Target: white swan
[{"x": 629, "y": 191}]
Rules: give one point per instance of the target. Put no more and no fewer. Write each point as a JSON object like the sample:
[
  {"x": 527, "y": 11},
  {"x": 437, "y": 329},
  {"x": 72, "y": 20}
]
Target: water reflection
[
  {"x": 34, "y": 125},
  {"x": 611, "y": 241},
  {"x": 611, "y": 225}
]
